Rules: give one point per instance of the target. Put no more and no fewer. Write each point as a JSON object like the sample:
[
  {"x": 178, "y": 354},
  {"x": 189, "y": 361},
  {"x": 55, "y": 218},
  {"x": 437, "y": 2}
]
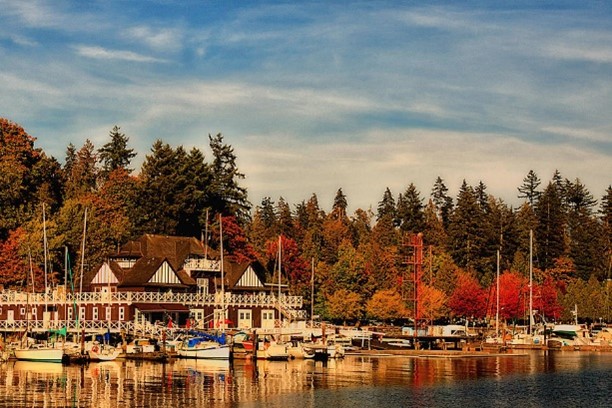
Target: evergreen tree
[
  {"x": 191, "y": 185},
  {"x": 386, "y": 207},
  {"x": 339, "y": 206},
  {"x": 83, "y": 172},
  {"x": 158, "y": 212},
  {"x": 464, "y": 231},
  {"x": 115, "y": 154},
  {"x": 606, "y": 218},
  {"x": 442, "y": 202},
  {"x": 410, "y": 211},
  {"x": 529, "y": 189},
  {"x": 550, "y": 231},
  {"x": 285, "y": 225},
  {"x": 226, "y": 196}
]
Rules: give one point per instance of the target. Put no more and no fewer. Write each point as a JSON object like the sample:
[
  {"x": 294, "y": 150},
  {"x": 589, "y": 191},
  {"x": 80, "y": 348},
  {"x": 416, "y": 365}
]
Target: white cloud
[
  {"x": 159, "y": 39},
  {"x": 106, "y": 54}
]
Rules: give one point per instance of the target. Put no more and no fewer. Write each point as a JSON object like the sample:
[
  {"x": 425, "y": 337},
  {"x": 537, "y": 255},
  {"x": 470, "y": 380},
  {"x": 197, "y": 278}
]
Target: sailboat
[
  {"x": 271, "y": 348},
  {"x": 204, "y": 345},
  {"x": 38, "y": 351}
]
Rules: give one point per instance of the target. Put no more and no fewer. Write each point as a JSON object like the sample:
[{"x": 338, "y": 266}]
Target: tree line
[{"x": 359, "y": 262}]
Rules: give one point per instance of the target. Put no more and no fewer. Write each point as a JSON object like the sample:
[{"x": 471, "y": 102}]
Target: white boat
[
  {"x": 40, "y": 352},
  {"x": 205, "y": 349},
  {"x": 103, "y": 352},
  {"x": 273, "y": 351},
  {"x": 570, "y": 335}
]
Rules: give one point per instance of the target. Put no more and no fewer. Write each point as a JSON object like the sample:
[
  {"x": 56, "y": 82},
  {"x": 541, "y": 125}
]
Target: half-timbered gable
[
  {"x": 106, "y": 277},
  {"x": 153, "y": 273}
]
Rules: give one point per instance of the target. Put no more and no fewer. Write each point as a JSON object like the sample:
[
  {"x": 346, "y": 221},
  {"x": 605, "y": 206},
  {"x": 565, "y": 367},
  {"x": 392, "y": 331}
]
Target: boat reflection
[{"x": 188, "y": 382}]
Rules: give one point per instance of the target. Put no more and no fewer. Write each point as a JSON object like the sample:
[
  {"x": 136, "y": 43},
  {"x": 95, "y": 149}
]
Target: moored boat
[{"x": 40, "y": 352}]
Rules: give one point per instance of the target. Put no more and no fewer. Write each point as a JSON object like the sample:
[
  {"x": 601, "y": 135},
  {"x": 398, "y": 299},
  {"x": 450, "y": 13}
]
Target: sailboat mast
[
  {"x": 530, "y": 281},
  {"x": 497, "y": 300},
  {"x": 45, "y": 253},
  {"x": 222, "y": 274},
  {"x": 279, "y": 276},
  {"x": 312, "y": 293},
  {"x": 83, "y": 251}
]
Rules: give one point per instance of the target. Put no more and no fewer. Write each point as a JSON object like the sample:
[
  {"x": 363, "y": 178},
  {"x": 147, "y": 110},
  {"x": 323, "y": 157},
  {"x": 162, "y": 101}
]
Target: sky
[{"x": 315, "y": 96}]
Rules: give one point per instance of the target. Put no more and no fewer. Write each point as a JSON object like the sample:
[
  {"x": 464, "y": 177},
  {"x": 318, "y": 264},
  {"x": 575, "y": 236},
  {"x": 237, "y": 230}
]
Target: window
[
  {"x": 95, "y": 313},
  {"x": 69, "y": 313},
  {"x": 82, "y": 313},
  {"x": 108, "y": 312},
  {"x": 203, "y": 285},
  {"x": 122, "y": 313},
  {"x": 22, "y": 311}
]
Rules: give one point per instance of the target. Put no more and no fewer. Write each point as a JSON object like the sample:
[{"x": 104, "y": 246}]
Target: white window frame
[{"x": 122, "y": 313}]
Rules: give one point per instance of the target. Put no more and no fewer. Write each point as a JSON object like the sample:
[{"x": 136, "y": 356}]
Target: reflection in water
[{"x": 534, "y": 379}]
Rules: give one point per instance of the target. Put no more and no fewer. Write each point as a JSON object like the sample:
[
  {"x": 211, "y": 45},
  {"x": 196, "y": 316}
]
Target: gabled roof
[
  {"x": 175, "y": 249},
  {"x": 145, "y": 269},
  {"x": 247, "y": 275}
]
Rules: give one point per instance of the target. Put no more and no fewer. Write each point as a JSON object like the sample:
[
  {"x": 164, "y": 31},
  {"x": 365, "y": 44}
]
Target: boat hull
[
  {"x": 211, "y": 353},
  {"x": 51, "y": 355}
]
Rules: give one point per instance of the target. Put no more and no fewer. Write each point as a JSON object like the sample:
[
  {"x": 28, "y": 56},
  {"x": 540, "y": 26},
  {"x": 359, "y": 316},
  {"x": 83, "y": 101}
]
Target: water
[{"x": 537, "y": 379}]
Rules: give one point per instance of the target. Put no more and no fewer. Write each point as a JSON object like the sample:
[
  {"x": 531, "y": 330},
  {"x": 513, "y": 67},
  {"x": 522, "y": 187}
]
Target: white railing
[
  {"x": 202, "y": 265},
  {"x": 8, "y": 298}
]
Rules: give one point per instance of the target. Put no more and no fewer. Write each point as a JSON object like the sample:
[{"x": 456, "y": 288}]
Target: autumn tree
[
  {"x": 432, "y": 303},
  {"x": 468, "y": 299},
  {"x": 386, "y": 305},
  {"x": 513, "y": 295},
  {"x": 345, "y": 306}
]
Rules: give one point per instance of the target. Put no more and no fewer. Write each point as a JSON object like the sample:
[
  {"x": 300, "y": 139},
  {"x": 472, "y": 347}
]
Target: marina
[{"x": 533, "y": 378}]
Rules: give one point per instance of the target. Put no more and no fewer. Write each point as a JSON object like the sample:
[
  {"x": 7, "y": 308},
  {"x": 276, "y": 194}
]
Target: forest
[{"x": 360, "y": 265}]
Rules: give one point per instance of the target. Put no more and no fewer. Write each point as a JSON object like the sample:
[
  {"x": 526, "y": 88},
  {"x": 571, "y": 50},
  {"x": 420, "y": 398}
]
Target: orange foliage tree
[{"x": 468, "y": 299}]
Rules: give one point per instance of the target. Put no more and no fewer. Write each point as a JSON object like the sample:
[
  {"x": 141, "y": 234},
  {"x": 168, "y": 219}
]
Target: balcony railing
[{"x": 286, "y": 302}]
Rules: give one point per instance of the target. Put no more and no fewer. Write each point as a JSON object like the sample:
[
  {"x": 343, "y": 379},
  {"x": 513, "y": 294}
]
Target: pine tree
[
  {"x": 386, "y": 207},
  {"x": 410, "y": 211},
  {"x": 529, "y": 189},
  {"x": 443, "y": 203},
  {"x": 225, "y": 195},
  {"x": 115, "y": 154},
  {"x": 550, "y": 232}
]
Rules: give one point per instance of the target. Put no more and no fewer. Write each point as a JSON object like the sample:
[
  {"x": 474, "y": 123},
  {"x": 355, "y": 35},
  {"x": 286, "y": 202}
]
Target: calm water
[{"x": 556, "y": 379}]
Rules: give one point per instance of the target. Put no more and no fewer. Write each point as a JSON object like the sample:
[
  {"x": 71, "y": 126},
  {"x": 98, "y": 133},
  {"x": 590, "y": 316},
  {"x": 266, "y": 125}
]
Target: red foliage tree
[
  {"x": 14, "y": 267},
  {"x": 546, "y": 299},
  {"x": 513, "y": 295},
  {"x": 469, "y": 298}
]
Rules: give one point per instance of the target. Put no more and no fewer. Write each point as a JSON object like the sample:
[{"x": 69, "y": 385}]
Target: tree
[
  {"x": 529, "y": 189},
  {"x": 158, "y": 210},
  {"x": 550, "y": 231},
  {"x": 339, "y": 207},
  {"x": 513, "y": 295},
  {"x": 225, "y": 195},
  {"x": 14, "y": 266},
  {"x": 432, "y": 303},
  {"x": 345, "y": 305},
  {"x": 442, "y": 202},
  {"x": 27, "y": 176},
  {"x": 115, "y": 154},
  {"x": 386, "y": 206},
  {"x": 469, "y": 298},
  {"x": 410, "y": 211},
  {"x": 386, "y": 305},
  {"x": 83, "y": 175}
]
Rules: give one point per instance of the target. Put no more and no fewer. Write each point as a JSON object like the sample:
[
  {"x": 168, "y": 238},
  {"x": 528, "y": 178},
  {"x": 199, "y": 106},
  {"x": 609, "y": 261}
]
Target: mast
[
  {"x": 530, "y": 281},
  {"x": 222, "y": 275},
  {"x": 44, "y": 254},
  {"x": 312, "y": 293},
  {"x": 497, "y": 300},
  {"x": 279, "y": 277},
  {"x": 83, "y": 251}
]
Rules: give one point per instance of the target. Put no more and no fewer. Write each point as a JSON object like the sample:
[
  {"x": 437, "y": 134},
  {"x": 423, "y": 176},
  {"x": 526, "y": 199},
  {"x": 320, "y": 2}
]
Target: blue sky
[{"x": 316, "y": 96}]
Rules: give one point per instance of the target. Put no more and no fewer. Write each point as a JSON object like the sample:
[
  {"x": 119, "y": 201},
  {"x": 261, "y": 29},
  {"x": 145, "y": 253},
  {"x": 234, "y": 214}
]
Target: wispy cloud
[
  {"x": 106, "y": 54},
  {"x": 159, "y": 39}
]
